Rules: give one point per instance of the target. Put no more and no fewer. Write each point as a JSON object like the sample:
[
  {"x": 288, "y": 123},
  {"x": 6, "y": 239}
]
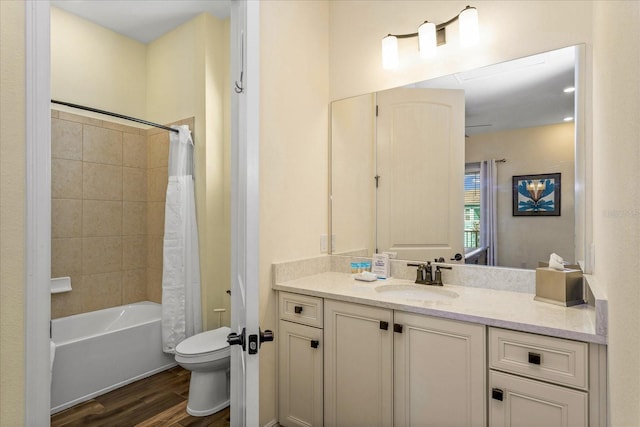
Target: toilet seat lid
[{"x": 205, "y": 342}]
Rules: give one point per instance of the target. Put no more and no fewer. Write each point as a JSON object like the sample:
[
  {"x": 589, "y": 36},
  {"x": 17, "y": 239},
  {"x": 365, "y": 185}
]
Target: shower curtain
[
  {"x": 181, "y": 310},
  {"x": 489, "y": 209}
]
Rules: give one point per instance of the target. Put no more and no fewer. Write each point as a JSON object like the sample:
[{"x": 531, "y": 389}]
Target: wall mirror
[{"x": 406, "y": 174}]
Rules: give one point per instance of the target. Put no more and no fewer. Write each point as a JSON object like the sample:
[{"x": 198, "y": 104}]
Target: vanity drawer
[
  {"x": 550, "y": 359},
  {"x": 301, "y": 309}
]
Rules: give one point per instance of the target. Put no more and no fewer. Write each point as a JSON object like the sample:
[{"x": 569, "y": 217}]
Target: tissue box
[{"x": 559, "y": 287}]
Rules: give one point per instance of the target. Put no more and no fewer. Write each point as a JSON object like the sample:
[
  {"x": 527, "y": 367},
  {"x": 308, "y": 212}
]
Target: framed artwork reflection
[{"x": 536, "y": 195}]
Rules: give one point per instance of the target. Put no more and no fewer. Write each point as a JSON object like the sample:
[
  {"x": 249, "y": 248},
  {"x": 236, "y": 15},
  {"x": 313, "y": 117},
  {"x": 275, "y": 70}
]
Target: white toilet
[{"x": 206, "y": 355}]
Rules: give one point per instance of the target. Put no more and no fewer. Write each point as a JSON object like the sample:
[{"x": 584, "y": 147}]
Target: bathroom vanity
[{"x": 387, "y": 353}]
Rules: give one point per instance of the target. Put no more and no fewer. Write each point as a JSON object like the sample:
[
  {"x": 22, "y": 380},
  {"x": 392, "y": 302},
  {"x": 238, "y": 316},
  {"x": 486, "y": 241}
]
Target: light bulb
[
  {"x": 390, "y": 52},
  {"x": 468, "y": 20},
  {"x": 427, "y": 40}
]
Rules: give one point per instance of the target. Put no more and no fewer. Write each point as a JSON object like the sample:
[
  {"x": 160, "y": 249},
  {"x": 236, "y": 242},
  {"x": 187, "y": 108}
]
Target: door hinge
[
  {"x": 376, "y": 111},
  {"x": 377, "y": 178}
]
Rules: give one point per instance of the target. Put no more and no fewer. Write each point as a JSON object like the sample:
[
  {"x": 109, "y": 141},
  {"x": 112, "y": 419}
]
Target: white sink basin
[{"x": 416, "y": 292}]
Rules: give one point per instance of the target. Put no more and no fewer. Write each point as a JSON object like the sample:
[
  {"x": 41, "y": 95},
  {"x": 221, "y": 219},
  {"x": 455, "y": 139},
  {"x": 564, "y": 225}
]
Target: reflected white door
[
  {"x": 244, "y": 211},
  {"x": 420, "y": 165}
]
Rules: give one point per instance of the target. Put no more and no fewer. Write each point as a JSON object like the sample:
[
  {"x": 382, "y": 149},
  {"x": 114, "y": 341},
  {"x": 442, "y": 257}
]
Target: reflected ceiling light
[
  {"x": 569, "y": 89},
  {"x": 430, "y": 36},
  {"x": 568, "y": 119}
]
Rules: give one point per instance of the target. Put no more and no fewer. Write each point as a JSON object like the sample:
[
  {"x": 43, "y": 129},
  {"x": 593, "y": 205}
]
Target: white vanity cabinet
[
  {"x": 439, "y": 372},
  {"x": 385, "y": 368},
  {"x": 300, "y": 360},
  {"x": 358, "y": 373},
  {"x": 536, "y": 380}
]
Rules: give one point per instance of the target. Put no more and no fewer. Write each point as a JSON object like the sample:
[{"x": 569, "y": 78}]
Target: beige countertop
[{"x": 500, "y": 308}]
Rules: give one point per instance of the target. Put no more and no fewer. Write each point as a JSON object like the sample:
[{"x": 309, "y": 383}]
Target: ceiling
[
  {"x": 143, "y": 20},
  {"x": 521, "y": 93},
  {"x": 525, "y": 92}
]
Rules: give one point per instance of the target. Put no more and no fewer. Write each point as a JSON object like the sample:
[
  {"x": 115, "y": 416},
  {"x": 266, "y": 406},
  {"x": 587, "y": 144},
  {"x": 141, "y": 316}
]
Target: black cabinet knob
[
  {"x": 315, "y": 343},
  {"x": 535, "y": 358},
  {"x": 384, "y": 325},
  {"x": 497, "y": 394},
  {"x": 297, "y": 309},
  {"x": 397, "y": 328}
]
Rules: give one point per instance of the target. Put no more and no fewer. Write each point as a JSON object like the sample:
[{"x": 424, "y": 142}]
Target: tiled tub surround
[
  {"x": 493, "y": 296},
  {"x": 108, "y": 188}
]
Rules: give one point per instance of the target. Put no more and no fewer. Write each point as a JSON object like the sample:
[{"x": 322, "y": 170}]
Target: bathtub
[{"x": 102, "y": 350}]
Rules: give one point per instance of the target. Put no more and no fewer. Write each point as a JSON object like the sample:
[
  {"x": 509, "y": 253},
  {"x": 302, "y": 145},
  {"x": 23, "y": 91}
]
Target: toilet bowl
[{"x": 206, "y": 355}]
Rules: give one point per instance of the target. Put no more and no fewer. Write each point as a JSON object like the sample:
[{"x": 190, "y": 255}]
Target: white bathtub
[{"x": 102, "y": 350}]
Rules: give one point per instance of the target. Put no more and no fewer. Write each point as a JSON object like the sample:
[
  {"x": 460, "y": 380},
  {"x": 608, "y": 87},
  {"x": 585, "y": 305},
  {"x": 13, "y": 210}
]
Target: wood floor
[{"x": 159, "y": 400}]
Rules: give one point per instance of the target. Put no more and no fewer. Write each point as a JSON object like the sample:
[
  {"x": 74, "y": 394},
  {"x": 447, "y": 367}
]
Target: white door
[
  {"x": 420, "y": 169},
  {"x": 245, "y": 215}
]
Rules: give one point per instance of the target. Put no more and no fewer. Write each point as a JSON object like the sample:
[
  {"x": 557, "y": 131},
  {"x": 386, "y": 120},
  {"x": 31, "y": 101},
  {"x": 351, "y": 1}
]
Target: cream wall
[
  {"x": 12, "y": 212},
  {"x": 616, "y": 200},
  {"x": 523, "y": 241},
  {"x": 96, "y": 67},
  {"x": 184, "y": 64},
  {"x": 509, "y": 29},
  {"x": 294, "y": 103}
]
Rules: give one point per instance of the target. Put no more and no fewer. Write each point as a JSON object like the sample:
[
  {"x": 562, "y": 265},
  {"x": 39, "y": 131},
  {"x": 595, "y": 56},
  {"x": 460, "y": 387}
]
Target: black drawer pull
[
  {"x": 397, "y": 328},
  {"x": 384, "y": 325},
  {"x": 497, "y": 394},
  {"x": 315, "y": 343},
  {"x": 297, "y": 309},
  {"x": 535, "y": 358}
]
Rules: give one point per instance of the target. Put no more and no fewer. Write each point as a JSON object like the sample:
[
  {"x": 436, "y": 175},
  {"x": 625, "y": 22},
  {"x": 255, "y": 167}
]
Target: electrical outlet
[
  {"x": 333, "y": 243},
  {"x": 323, "y": 243}
]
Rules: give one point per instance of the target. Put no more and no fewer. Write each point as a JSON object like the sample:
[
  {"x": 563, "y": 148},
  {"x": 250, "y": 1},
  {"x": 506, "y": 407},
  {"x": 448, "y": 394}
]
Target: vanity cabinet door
[
  {"x": 439, "y": 372},
  {"x": 300, "y": 375},
  {"x": 358, "y": 356},
  {"x": 521, "y": 402}
]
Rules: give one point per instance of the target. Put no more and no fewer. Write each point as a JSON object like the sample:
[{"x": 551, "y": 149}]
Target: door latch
[{"x": 235, "y": 339}]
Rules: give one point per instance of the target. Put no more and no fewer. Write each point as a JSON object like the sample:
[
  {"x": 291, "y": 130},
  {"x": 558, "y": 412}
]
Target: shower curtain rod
[{"x": 120, "y": 116}]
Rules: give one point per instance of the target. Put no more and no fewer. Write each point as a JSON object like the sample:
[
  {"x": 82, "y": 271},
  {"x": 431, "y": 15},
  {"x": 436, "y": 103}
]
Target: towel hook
[{"x": 240, "y": 87}]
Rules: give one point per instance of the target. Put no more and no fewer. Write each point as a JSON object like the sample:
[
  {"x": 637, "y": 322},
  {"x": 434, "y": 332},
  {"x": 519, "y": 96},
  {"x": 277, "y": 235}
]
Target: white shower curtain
[
  {"x": 181, "y": 310},
  {"x": 489, "y": 209}
]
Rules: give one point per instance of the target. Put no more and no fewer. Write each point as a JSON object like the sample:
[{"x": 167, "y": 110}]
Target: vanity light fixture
[{"x": 430, "y": 36}]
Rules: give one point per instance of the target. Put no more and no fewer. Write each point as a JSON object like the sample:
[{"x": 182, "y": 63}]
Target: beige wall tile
[
  {"x": 66, "y": 218},
  {"x": 101, "y": 254},
  {"x": 134, "y": 252},
  {"x": 134, "y": 151},
  {"x": 66, "y": 257},
  {"x": 66, "y": 179},
  {"x": 122, "y": 127},
  {"x": 80, "y": 119},
  {"x": 66, "y": 139},
  {"x": 157, "y": 179},
  {"x": 134, "y": 218},
  {"x": 102, "y": 291},
  {"x": 134, "y": 285},
  {"x": 134, "y": 187},
  {"x": 101, "y": 182},
  {"x": 101, "y": 218},
  {"x": 155, "y": 219},
  {"x": 154, "y": 285},
  {"x": 100, "y": 145},
  {"x": 68, "y": 303},
  {"x": 158, "y": 150},
  {"x": 154, "y": 251}
]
